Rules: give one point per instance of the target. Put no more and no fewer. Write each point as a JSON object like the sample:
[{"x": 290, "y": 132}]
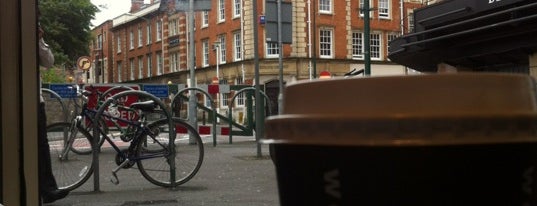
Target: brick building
[{"x": 327, "y": 35}]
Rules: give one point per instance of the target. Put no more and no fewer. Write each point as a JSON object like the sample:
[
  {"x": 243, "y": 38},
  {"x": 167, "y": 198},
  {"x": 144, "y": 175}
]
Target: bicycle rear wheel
[
  {"x": 70, "y": 169},
  {"x": 188, "y": 154}
]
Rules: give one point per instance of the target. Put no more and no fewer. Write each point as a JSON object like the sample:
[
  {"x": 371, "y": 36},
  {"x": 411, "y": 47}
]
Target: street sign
[
  {"x": 64, "y": 90},
  {"x": 125, "y": 101},
  {"x": 83, "y": 63},
  {"x": 271, "y": 18},
  {"x": 199, "y": 5},
  {"x": 158, "y": 90}
]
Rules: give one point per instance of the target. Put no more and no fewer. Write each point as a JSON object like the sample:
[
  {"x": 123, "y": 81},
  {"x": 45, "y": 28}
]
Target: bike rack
[
  {"x": 96, "y": 148},
  {"x": 259, "y": 121},
  {"x": 212, "y": 107},
  {"x": 231, "y": 108}
]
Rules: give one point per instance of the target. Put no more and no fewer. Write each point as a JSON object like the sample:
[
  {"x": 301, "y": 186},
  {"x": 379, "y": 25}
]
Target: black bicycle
[{"x": 150, "y": 148}]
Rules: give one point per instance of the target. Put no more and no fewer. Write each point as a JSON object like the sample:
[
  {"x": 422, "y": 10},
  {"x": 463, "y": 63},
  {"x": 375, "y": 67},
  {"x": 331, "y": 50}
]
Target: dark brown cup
[{"x": 458, "y": 139}]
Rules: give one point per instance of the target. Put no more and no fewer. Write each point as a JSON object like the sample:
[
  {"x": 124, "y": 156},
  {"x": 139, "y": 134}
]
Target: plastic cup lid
[{"x": 462, "y": 108}]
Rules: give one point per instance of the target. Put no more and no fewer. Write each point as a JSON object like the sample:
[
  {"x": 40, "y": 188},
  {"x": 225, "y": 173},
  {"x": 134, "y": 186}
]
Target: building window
[
  {"x": 357, "y": 45},
  {"x": 140, "y": 37},
  {"x": 160, "y": 64},
  {"x": 273, "y": 50},
  {"x": 149, "y": 67},
  {"x": 100, "y": 41},
  {"x": 391, "y": 37},
  {"x": 221, "y": 11},
  {"x": 159, "y": 30},
  {"x": 132, "y": 69},
  {"x": 205, "y": 19},
  {"x": 325, "y": 43},
  {"x": 174, "y": 30},
  {"x": 362, "y": 9},
  {"x": 118, "y": 44},
  {"x": 237, "y": 54},
  {"x": 237, "y": 9},
  {"x": 240, "y": 97},
  {"x": 376, "y": 43},
  {"x": 410, "y": 17},
  {"x": 205, "y": 49},
  {"x": 140, "y": 67},
  {"x": 119, "y": 71},
  {"x": 224, "y": 97},
  {"x": 222, "y": 47},
  {"x": 148, "y": 34},
  {"x": 131, "y": 39},
  {"x": 325, "y": 6},
  {"x": 174, "y": 61},
  {"x": 384, "y": 9}
]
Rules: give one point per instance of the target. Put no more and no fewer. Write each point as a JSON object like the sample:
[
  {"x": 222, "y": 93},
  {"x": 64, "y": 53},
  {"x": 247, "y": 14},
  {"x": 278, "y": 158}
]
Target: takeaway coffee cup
[{"x": 437, "y": 139}]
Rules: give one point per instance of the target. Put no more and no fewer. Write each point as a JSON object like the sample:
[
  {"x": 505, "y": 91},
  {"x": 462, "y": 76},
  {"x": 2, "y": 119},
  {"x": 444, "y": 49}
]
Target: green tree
[
  {"x": 52, "y": 76},
  {"x": 67, "y": 25}
]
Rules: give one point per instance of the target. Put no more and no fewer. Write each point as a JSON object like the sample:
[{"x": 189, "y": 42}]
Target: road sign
[
  {"x": 158, "y": 90},
  {"x": 83, "y": 63},
  {"x": 271, "y": 18},
  {"x": 64, "y": 90},
  {"x": 199, "y": 5}
]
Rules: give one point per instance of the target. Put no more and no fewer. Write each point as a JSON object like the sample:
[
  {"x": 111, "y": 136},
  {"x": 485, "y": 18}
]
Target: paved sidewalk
[{"x": 231, "y": 174}]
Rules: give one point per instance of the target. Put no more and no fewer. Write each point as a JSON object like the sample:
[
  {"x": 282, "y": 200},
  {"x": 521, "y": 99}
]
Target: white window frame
[
  {"x": 390, "y": 37},
  {"x": 131, "y": 39},
  {"x": 221, "y": 11},
  {"x": 149, "y": 63},
  {"x": 326, "y": 43},
  {"x": 174, "y": 62},
  {"x": 132, "y": 68},
  {"x": 237, "y": 46},
  {"x": 148, "y": 36},
  {"x": 362, "y": 5},
  {"x": 140, "y": 67},
  {"x": 272, "y": 50},
  {"x": 159, "y": 30},
  {"x": 205, "y": 49},
  {"x": 119, "y": 71},
  {"x": 357, "y": 45},
  {"x": 384, "y": 9},
  {"x": 222, "y": 47},
  {"x": 174, "y": 30},
  {"x": 160, "y": 64},
  {"x": 240, "y": 100},
  {"x": 204, "y": 19},
  {"x": 140, "y": 37},
  {"x": 237, "y": 9},
  {"x": 119, "y": 43},
  {"x": 325, "y": 6},
  {"x": 410, "y": 18},
  {"x": 224, "y": 97},
  {"x": 375, "y": 43}
]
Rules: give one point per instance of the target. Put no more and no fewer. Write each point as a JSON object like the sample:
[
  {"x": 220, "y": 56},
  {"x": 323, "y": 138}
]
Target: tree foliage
[{"x": 67, "y": 26}]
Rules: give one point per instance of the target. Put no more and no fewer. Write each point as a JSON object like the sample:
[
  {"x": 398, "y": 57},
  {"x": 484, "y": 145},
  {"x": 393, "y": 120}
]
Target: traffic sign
[
  {"x": 158, "y": 90},
  {"x": 83, "y": 63},
  {"x": 64, "y": 90}
]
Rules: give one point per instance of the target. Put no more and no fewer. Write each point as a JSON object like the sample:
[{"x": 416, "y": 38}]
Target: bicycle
[{"x": 149, "y": 149}]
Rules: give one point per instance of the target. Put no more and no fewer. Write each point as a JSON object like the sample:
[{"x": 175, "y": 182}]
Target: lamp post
[{"x": 217, "y": 49}]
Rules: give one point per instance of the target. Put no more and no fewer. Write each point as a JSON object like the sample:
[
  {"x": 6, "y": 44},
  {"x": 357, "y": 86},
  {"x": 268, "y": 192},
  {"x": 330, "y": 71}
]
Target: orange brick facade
[{"x": 302, "y": 59}]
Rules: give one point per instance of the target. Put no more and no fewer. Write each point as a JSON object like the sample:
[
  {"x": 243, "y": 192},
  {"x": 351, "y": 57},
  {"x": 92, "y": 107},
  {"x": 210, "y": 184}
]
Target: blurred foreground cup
[{"x": 435, "y": 139}]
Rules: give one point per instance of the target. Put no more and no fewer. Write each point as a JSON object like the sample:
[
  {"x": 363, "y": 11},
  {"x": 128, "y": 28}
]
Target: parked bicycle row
[{"x": 120, "y": 114}]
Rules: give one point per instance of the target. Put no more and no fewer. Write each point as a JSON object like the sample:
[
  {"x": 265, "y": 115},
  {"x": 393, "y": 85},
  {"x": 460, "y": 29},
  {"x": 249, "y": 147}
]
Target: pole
[
  {"x": 367, "y": 44},
  {"x": 259, "y": 127},
  {"x": 192, "y": 107},
  {"x": 280, "y": 54}
]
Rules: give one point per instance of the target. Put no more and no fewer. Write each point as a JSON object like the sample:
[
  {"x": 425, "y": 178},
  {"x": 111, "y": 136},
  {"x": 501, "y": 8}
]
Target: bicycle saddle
[{"x": 146, "y": 106}]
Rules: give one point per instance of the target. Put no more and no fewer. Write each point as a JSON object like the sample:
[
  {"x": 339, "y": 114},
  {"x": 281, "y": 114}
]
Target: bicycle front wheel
[
  {"x": 70, "y": 169},
  {"x": 188, "y": 155}
]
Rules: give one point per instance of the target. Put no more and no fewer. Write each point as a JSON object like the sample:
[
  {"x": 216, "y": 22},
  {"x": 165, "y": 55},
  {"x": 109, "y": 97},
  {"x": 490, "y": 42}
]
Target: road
[{"x": 231, "y": 174}]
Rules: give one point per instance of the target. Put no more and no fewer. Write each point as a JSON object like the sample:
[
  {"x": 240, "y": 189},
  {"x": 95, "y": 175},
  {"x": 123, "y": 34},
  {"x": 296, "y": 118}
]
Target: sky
[{"x": 110, "y": 9}]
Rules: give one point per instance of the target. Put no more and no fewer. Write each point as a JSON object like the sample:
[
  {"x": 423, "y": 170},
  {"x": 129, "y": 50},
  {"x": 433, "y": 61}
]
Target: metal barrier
[
  {"x": 57, "y": 96},
  {"x": 212, "y": 107},
  {"x": 231, "y": 109}
]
